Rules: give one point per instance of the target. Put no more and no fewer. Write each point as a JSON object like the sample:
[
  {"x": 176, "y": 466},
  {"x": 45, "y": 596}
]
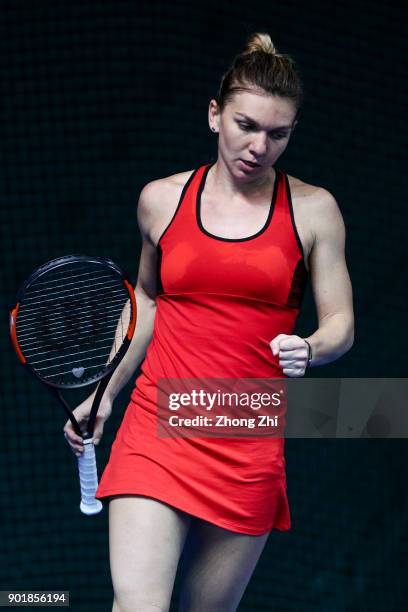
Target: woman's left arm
[{"x": 332, "y": 294}]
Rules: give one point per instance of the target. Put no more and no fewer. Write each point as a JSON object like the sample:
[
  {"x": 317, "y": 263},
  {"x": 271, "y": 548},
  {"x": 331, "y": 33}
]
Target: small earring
[{"x": 213, "y": 129}]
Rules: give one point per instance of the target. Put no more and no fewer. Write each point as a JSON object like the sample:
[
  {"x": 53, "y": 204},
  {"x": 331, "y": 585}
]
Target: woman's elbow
[{"x": 350, "y": 333}]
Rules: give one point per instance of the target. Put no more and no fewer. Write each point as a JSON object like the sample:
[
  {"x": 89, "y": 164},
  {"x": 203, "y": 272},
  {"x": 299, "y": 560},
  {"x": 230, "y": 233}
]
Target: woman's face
[{"x": 254, "y": 127}]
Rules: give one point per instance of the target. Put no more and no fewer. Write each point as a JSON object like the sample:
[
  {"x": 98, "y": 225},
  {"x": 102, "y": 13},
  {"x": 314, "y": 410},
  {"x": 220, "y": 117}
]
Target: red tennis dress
[{"x": 220, "y": 302}]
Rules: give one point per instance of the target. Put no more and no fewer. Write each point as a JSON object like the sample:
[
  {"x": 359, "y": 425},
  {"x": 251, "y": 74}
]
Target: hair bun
[
  {"x": 260, "y": 41},
  {"x": 258, "y": 66}
]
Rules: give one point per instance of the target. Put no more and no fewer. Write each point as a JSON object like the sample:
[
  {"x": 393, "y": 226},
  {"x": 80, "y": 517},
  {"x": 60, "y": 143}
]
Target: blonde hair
[
  {"x": 260, "y": 66},
  {"x": 259, "y": 42}
]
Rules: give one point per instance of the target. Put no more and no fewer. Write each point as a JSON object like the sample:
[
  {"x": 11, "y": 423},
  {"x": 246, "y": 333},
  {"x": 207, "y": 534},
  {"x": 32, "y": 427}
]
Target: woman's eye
[{"x": 244, "y": 126}]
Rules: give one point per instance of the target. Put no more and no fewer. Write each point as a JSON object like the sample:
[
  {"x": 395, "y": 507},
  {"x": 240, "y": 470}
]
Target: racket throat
[
  {"x": 96, "y": 403},
  {"x": 71, "y": 417}
]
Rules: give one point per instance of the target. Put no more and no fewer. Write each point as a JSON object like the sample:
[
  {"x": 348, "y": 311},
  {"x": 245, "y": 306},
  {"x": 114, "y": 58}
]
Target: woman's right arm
[{"x": 145, "y": 292}]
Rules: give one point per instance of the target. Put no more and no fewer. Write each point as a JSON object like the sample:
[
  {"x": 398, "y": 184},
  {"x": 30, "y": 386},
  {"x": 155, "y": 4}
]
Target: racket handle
[{"x": 88, "y": 478}]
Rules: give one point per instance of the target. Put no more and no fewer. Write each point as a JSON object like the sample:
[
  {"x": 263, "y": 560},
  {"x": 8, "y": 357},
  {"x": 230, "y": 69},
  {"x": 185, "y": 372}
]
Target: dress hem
[{"x": 220, "y": 523}]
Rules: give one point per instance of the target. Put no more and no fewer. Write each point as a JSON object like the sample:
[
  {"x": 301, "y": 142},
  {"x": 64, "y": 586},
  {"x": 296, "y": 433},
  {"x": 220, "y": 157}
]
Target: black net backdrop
[{"x": 99, "y": 98}]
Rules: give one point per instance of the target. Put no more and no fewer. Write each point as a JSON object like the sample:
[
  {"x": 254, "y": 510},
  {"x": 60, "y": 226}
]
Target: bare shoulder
[
  {"x": 157, "y": 204},
  {"x": 315, "y": 209}
]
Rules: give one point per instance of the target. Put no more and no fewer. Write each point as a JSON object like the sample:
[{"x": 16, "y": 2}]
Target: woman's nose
[{"x": 259, "y": 145}]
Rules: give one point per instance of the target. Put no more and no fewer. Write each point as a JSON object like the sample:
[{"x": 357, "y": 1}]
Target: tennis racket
[{"x": 72, "y": 324}]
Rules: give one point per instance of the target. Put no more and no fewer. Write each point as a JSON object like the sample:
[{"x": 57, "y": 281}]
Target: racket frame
[{"x": 54, "y": 264}]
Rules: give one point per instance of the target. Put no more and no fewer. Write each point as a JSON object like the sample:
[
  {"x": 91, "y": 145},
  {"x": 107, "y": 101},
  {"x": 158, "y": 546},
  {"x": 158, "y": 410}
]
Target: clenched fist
[{"x": 293, "y": 354}]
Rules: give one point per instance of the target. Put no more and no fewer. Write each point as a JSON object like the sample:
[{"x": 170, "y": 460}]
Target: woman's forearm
[
  {"x": 333, "y": 338},
  {"x": 146, "y": 310}
]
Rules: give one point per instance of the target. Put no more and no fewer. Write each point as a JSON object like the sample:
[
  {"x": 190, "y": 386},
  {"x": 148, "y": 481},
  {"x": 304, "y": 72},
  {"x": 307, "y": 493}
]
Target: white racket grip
[{"x": 88, "y": 478}]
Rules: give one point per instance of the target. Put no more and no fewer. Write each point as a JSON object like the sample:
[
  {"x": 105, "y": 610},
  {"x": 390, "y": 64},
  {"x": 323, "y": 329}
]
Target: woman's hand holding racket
[{"x": 81, "y": 414}]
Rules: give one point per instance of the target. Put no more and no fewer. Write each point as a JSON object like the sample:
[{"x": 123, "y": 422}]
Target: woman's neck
[{"x": 220, "y": 181}]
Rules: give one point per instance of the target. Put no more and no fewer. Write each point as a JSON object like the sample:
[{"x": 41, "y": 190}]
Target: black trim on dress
[
  {"x": 292, "y": 216},
  {"x": 159, "y": 284},
  {"x": 298, "y": 285},
  {"x": 183, "y": 193},
  {"x": 261, "y": 231}
]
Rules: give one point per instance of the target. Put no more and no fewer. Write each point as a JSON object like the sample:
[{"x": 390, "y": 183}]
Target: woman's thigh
[
  {"x": 146, "y": 538},
  {"x": 217, "y": 566}
]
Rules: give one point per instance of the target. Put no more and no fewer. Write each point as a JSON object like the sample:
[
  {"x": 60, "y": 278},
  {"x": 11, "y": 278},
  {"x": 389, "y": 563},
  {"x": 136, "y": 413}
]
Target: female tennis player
[{"x": 227, "y": 249}]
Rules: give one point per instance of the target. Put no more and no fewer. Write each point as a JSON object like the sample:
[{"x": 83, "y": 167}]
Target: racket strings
[
  {"x": 63, "y": 315},
  {"x": 36, "y": 353},
  {"x": 86, "y": 292},
  {"x": 84, "y": 279},
  {"x": 65, "y": 274},
  {"x": 73, "y": 321},
  {"x": 33, "y": 347}
]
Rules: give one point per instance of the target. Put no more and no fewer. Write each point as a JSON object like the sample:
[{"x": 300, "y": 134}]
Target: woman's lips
[{"x": 249, "y": 165}]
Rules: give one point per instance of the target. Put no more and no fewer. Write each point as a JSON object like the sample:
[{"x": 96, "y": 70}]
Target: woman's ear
[{"x": 213, "y": 115}]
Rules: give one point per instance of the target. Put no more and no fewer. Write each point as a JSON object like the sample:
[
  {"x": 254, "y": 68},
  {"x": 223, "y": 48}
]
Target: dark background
[{"x": 99, "y": 98}]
